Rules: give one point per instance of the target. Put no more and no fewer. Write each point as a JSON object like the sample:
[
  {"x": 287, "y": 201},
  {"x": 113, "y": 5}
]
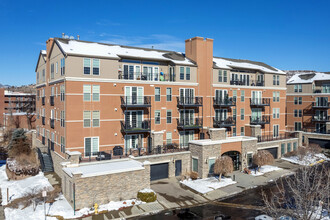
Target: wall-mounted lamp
[
  {"x": 115, "y": 84},
  {"x": 115, "y": 134},
  {"x": 115, "y": 109}
]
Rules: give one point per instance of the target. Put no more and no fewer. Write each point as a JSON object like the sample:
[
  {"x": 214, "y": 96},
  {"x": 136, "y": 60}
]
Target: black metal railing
[
  {"x": 43, "y": 120},
  {"x": 314, "y": 130},
  {"x": 221, "y": 123},
  {"x": 190, "y": 124},
  {"x": 320, "y": 104},
  {"x": 190, "y": 101},
  {"x": 319, "y": 118},
  {"x": 135, "y": 101},
  {"x": 51, "y": 100},
  {"x": 265, "y": 119},
  {"x": 147, "y": 76},
  {"x": 52, "y": 123},
  {"x": 43, "y": 100},
  {"x": 41, "y": 159},
  {"x": 138, "y": 127},
  {"x": 225, "y": 102},
  {"x": 266, "y": 138},
  {"x": 260, "y": 102},
  {"x": 246, "y": 82}
]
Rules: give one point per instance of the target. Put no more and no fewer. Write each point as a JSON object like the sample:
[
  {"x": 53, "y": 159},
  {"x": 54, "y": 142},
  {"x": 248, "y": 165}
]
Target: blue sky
[{"x": 287, "y": 34}]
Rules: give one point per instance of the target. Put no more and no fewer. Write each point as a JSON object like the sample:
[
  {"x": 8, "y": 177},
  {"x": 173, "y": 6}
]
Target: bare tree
[
  {"x": 223, "y": 166},
  {"x": 301, "y": 196},
  {"x": 262, "y": 157},
  {"x": 28, "y": 107}
]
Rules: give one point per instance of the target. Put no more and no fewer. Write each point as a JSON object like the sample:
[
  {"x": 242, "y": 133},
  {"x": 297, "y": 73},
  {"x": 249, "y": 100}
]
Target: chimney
[
  {"x": 78, "y": 37},
  {"x": 49, "y": 44},
  {"x": 63, "y": 35}
]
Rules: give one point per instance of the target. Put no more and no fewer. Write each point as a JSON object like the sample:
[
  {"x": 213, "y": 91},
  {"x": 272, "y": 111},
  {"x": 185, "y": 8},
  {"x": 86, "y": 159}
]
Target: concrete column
[
  {"x": 217, "y": 134},
  {"x": 255, "y": 130},
  {"x": 73, "y": 156},
  {"x": 146, "y": 165},
  {"x": 299, "y": 135}
]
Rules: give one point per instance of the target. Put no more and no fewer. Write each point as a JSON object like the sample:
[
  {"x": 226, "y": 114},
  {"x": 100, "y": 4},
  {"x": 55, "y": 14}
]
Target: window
[
  {"x": 187, "y": 73},
  {"x": 282, "y": 149},
  {"x": 96, "y": 93},
  {"x": 276, "y": 113},
  {"x": 37, "y": 77},
  {"x": 300, "y": 100},
  {"x": 249, "y": 159},
  {"x": 300, "y": 113},
  {"x": 225, "y": 78},
  {"x": 168, "y": 94},
  {"x": 297, "y": 88},
  {"x": 288, "y": 147},
  {"x": 234, "y": 95},
  {"x": 278, "y": 80},
  {"x": 220, "y": 76},
  {"x": 62, "y": 66},
  {"x": 56, "y": 67},
  {"x": 43, "y": 76},
  {"x": 87, "y": 119},
  {"x": 321, "y": 101},
  {"x": 234, "y": 131},
  {"x": 96, "y": 118},
  {"x": 297, "y": 126},
  {"x": 157, "y": 94},
  {"x": 211, "y": 165},
  {"x": 52, "y": 71},
  {"x": 168, "y": 137},
  {"x": 169, "y": 116},
  {"x": 62, "y": 144},
  {"x": 295, "y": 146},
  {"x": 87, "y": 66},
  {"x": 242, "y": 95},
  {"x": 62, "y": 91},
  {"x": 96, "y": 67},
  {"x": 181, "y": 73},
  {"x": 242, "y": 131},
  {"x": 276, "y": 96},
  {"x": 91, "y": 146},
  {"x": 185, "y": 137},
  {"x": 275, "y": 130},
  {"x": 242, "y": 114},
  {"x": 62, "y": 118},
  {"x": 87, "y": 92},
  {"x": 295, "y": 113},
  {"x": 274, "y": 80},
  {"x": 326, "y": 88},
  {"x": 297, "y": 100},
  {"x": 157, "y": 117},
  {"x": 195, "y": 164}
]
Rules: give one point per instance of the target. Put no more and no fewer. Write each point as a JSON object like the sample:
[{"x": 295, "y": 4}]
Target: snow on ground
[
  {"x": 60, "y": 207},
  {"x": 307, "y": 160},
  {"x": 263, "y": 217},
  {"x": 208, "y": 184},
  {"x": 146, "y": 190},
  {"x": 264, "y": 169}
]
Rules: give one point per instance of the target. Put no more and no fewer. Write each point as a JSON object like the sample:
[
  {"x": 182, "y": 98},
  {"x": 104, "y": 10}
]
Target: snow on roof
[
  {"x": 227, "y": 140},
  {"x": 104, "y": 168},
  {"x": 227, "y": 63},
  {"x": 308, "y": 78},
  {"x": 11, "y": 93},
  {"x": 75, "y": 47}
]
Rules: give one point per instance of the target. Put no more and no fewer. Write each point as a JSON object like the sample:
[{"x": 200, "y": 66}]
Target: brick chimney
[{"x": 49, "y": 44}]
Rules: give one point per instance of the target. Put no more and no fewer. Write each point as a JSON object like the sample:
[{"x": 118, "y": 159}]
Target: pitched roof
[
  {"x": 303, "y": 78},
  {"x": 85, "y": 48},
  {"x": 228, "y": 63}
]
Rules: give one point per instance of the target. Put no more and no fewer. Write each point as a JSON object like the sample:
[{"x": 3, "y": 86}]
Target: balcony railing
[
  {"x": 147, "y": 76},
  {"x": 138, "y": 127},
  {"x": 51, "y": 100},
  {"x": 223, "y": 123},
  {"x": 260, "y": 102},
  {"x": 43, "y": 100},
  {"x": 103, "y": 155},
  {"x": 265, "y": 119},
  {"x": 190, "y": 124},
  {"x": 266, "y": 138},
  {"x": 135, "y": 101},
  {"x": 317, "y": 118},
  {"x": 321, "y": 105},
  {"x": 226, "y": 102},
  {"x": 52, "y": 123},
  {"x": 43, "y": 120},
  {"x": 189, "y": 101},
  {"x": 247, "y": 83},
  {"x": 319, "y": 131}
]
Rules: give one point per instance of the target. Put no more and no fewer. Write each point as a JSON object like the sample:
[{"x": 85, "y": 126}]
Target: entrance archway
[{"x": 236, "y": 157}]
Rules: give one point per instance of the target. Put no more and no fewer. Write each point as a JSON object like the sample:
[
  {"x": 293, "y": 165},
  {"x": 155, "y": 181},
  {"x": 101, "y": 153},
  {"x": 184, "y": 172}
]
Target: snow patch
[
  {"x": 264, "y": 169},
  {"x": 146, "y": 190},
  {"x": 306, "y": 160}
]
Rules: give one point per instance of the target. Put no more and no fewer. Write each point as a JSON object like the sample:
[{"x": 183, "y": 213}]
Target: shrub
[
  {"x": 19, "y": 144},
  {"x": 194, "y": 175},
  {"x": 314, "y": 148},
  {"x": 263, "y": 157},
  {"x": 223, "y": 166},
  {"x": 291, "y": 154},
  {"x": 147, "y": 195}
]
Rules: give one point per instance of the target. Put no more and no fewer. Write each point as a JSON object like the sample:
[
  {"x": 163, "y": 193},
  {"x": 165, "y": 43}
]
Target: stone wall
[
  {"x": 170, "y": 158},
  {"x": 57, "y": 160},
  {"x": 217, "y": 134},
  {"x": 308, "y": 135},
  {"x": 248, "y": 146},
  {"x": 270, "y": 144}
]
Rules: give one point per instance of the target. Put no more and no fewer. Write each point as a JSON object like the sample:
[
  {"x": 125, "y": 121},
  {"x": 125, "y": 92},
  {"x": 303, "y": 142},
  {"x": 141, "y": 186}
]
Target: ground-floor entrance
[
  {"x": 323, "y": 143},
  {"x": 158, "y": 171},
  {"x": 273, "y": 151},
  {"x": 236, "y": 157}
]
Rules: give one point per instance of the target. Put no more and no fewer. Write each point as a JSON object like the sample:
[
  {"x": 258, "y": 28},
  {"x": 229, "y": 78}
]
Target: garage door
[
  {"x": 158, "y": 171},
  {"x": 273, "y": 151},
  {"x": 323, "y": 143}
]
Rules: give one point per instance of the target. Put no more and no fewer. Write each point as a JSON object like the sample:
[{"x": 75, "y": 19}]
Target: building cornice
[{"x": 247, "y": 87}]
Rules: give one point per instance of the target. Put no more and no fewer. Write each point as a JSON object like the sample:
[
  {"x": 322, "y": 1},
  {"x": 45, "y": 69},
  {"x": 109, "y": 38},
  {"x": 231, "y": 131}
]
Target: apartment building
[
  {"x": 308, "y": 102},
  {"x": 94, "y": 97},
  {"x": 17, "y": 109}
]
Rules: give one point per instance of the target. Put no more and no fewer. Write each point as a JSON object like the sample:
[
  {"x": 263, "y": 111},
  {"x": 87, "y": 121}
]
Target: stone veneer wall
[
  {"x": 277, "y": 144},
  {"x": 247, "y": 146},
  {"x": 57, "y": 160},
  {"x": 308, "y": 135},
  {"x": 105, "y": 188},
  {"x": 170, "y": 158}
]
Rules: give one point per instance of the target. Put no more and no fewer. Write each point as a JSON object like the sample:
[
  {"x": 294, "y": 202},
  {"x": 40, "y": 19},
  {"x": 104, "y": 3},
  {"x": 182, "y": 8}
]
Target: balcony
[
  {"x": 224, "y": 123},
  {"x": 317, "y": 118},
  {"x": 136, "y": 128},
  {"x": 267, "y": 138},
  {"x": 43, "y": 100},
  {"x": 226, "y": 102},
  {"x": 190, "y": 124},
  {"x": 52, "y": 123},
  {"x": 189, "y": 101},
  {"x": 135, "y": 101},
  {"x": 43, "y": 120},
  {"x": 260, "y": 120},
  {"x": 51, "y": 100},
  {"x": 147, "y": 76},
  {"x": 260, "y": 102},
  {"x": 247, "y": 83},
  {"x": 321, "y": 105}
]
